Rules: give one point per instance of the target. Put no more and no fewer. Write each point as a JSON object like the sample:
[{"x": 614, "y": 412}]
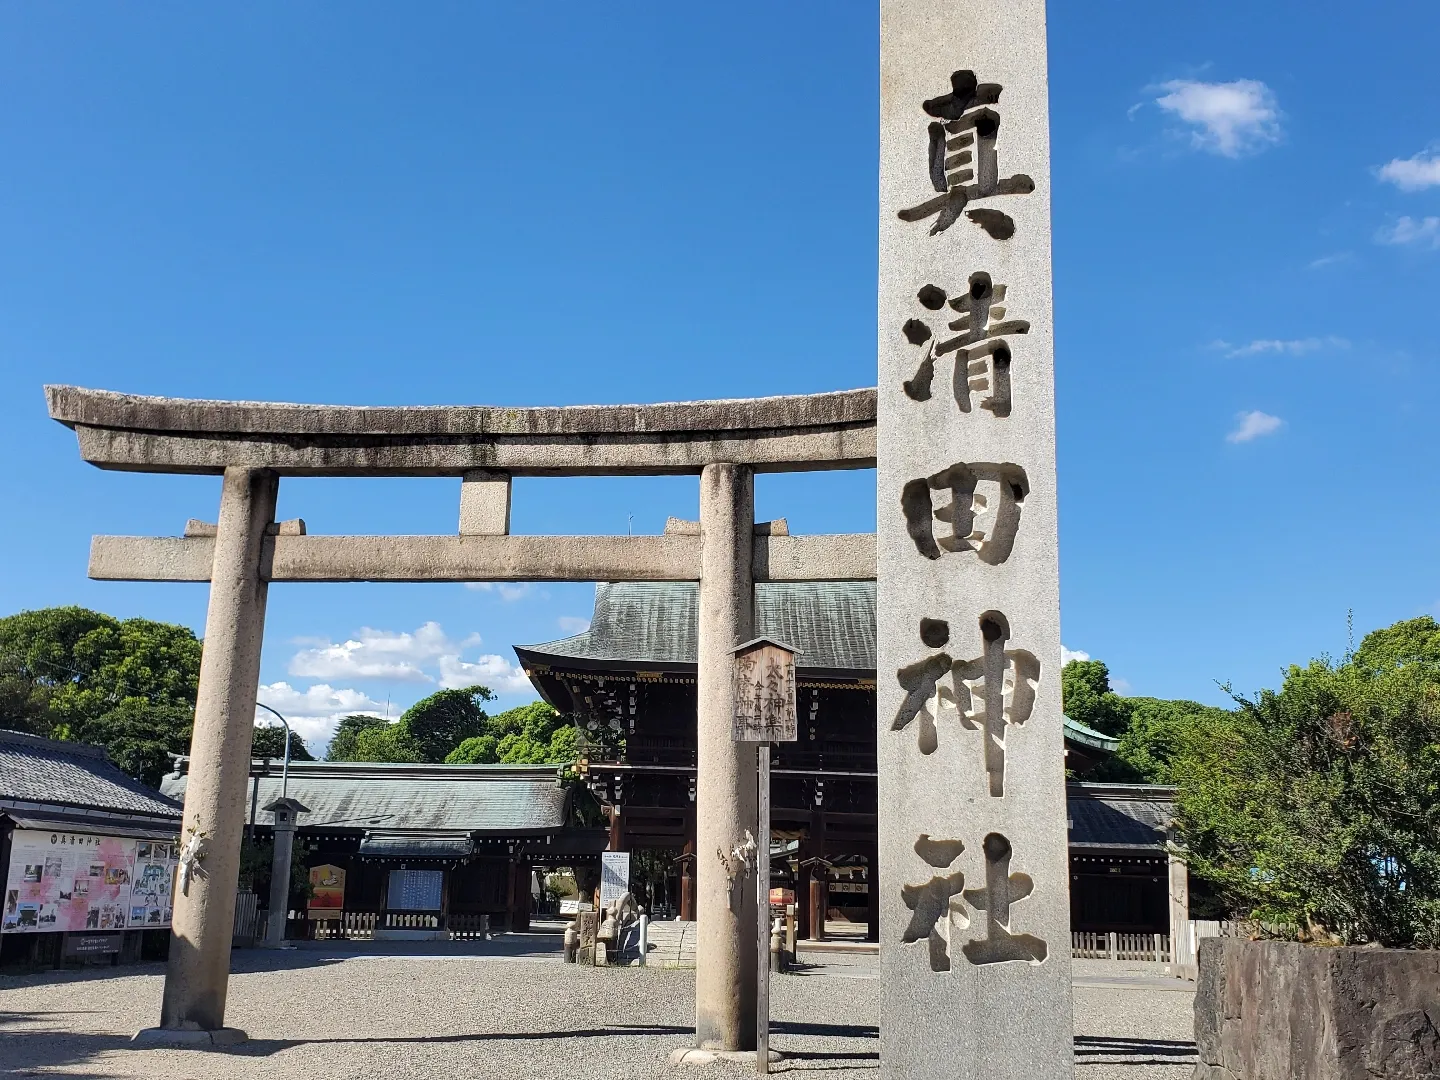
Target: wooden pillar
[
  {"x": 872, "y": 896},
  {"x": 510, "y": 868},
  {"x": 802, "y": 894},
  {"x": 617, "y": 834},
  {"x": 687, "y": 875},
  {"x": 819, "y": 899},
  {"x": 523, "y": 877}
]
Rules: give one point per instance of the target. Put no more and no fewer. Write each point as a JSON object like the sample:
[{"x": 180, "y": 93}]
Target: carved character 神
[
  {"x": 962, "y": 161},
  {"x": 989, "y": 693}
]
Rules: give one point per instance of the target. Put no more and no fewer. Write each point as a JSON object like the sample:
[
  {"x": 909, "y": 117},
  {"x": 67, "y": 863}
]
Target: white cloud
[
  {"x": 573, "y": 624},
  {"x": 1284, "y": 347},
  {"x": 377, "y": 654},
  {"x": 1254, "y": 425},
  {"x": 1420, "y": 231},
  {"x": 1414, "y": 173},
  {"x": 508, "y": 590},
  {"x": 314, "y": 711},
  {"x": 1328, "y": 260},
  {"x": 490, "y": 670},
  {"x": 1066, "y": 655},
  {"x": 1229, "y": 119}
]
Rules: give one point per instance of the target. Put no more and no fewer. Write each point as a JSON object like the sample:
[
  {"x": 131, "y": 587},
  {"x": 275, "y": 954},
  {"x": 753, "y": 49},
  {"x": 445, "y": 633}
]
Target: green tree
[
  {"x": 1318, "y": 806},
  {"x": 439, "y": 723},
  {"x": 269, "y": 742},
  {"x": 342, "y": 744},
  {"x": 476, "y": 750},
  {"x": 127, "y": 685},
  {"x": 533, "y": 734},
  {"x": 389, "y": 742},
  {"x": 1154, "y": 732},
  {"x": 1088, "y": 699}
]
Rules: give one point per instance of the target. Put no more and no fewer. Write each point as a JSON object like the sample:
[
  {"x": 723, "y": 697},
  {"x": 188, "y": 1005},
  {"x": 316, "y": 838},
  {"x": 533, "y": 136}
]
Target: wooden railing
[
  {"x": 468, "y": 927},
  {"x": 361, "y": 925},
  {"x": 346, "y": 926},
  {"x": 1112, "y": 946}
]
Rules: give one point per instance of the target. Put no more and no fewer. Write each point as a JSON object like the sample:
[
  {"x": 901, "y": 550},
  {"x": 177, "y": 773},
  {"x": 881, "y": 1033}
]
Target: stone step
[{"x": 672, "y": 942}]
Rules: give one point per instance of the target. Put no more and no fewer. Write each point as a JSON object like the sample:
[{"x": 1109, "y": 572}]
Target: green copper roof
[
  {"x": 1089, "y": 736},
  {"x": 831, "y": 625}
]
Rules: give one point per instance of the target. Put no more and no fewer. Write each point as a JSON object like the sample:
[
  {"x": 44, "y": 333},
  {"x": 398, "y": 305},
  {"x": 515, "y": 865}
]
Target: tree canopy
[
  {"x": 1149, "y": 729},
  {"x": 1317, "y": 806},
  {"x": 533, "y": 734},
  {"x": 269, "y": 742},
  {"x": 451, "y": 727},
  {"x": 125, "y": 684}
]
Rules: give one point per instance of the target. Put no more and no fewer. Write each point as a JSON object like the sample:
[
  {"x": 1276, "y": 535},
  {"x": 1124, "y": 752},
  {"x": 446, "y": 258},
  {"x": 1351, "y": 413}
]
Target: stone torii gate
[{"x": 252, "y": 445}]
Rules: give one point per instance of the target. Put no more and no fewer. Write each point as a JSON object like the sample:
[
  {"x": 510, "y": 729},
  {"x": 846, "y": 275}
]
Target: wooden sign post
[{"x": 764, "y": 714}]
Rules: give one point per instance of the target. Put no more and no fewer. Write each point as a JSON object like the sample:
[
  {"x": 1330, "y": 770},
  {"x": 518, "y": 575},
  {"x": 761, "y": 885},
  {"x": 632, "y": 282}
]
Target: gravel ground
[{"x": 509, "y": 1009}]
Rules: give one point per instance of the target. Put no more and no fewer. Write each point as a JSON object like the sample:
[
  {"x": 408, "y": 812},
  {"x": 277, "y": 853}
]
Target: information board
[
  {"x": 415, "y": 890},
  {"x": 63, "y": 881},
  {"x": 614, "y": 876}
]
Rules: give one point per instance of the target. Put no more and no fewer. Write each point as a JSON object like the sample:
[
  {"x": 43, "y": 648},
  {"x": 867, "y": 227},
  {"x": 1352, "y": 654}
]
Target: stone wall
[{"x": 1275, "y": 1010}]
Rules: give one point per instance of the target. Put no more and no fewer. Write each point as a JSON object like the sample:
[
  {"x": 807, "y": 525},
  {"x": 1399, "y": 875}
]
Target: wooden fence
[
  {"x": 361, "y": 925},
  {"x": 249, "y": 925},
  {"x": 1152, "y": 947}
]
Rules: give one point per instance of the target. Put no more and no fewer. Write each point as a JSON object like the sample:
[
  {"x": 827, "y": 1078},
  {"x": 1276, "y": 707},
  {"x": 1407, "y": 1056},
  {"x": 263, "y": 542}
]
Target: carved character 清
[
  {"x": 982, "y": 355},
  {"x": 962, "y": 140}
]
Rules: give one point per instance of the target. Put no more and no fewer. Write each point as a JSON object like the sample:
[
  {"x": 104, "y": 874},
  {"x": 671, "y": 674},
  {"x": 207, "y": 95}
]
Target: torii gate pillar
[
  {"x": 725, "y": 792},
  {"x": 193, "y": 1008}
]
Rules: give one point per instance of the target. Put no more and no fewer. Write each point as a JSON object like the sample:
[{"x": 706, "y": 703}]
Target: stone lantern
[{"x": 287, "y": 812}]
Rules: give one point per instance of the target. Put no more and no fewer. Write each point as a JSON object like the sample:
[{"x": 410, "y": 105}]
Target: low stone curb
[
  {"x": 687, "y": 1055},
  {"x": 186, "y": 1038}
]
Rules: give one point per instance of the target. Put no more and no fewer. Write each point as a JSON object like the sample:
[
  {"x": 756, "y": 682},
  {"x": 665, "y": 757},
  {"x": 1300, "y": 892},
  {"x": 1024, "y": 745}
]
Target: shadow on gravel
[
  {"x": 59, "y": 1053},
  {"x": 841, "y": 1031},
  {"x": 1116, "y": 1051}
]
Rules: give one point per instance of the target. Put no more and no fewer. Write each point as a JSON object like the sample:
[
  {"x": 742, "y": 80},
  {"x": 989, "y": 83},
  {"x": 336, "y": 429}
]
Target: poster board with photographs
[{"x": 63, "y": 881}]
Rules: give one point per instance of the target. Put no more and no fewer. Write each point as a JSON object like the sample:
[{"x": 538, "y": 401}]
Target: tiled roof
[
  {"x": 831, "y": 625},
  {"x": 1119, "y": 815},
  {"x": 35, "y": 770},
  {"x": 413, "y": 798}
]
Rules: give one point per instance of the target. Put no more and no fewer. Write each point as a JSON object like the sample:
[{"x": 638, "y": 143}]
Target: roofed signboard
[{"x": 764, "y": 692}]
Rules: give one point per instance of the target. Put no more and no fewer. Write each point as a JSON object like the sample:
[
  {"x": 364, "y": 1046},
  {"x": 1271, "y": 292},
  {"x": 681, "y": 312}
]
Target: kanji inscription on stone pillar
[{"x": 973, "y": 841}]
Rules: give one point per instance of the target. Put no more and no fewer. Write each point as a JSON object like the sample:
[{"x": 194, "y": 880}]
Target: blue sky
[{"x": 559, "y": 203}]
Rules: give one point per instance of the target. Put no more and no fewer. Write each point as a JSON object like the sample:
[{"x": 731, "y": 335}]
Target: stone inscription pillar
[
  {"x": 975, "y": 939},
  {"x": 199, "y": 965},
  {"x": 725, "y": 792}
]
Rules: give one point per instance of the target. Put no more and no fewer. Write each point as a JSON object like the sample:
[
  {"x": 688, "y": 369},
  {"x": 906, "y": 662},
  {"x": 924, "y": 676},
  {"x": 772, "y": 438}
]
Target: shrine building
[{"x": 630, "y": 682}]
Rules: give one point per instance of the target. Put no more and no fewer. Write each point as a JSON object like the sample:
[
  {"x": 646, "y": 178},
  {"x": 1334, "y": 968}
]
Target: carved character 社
[{"x": 942, "y": 907}]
